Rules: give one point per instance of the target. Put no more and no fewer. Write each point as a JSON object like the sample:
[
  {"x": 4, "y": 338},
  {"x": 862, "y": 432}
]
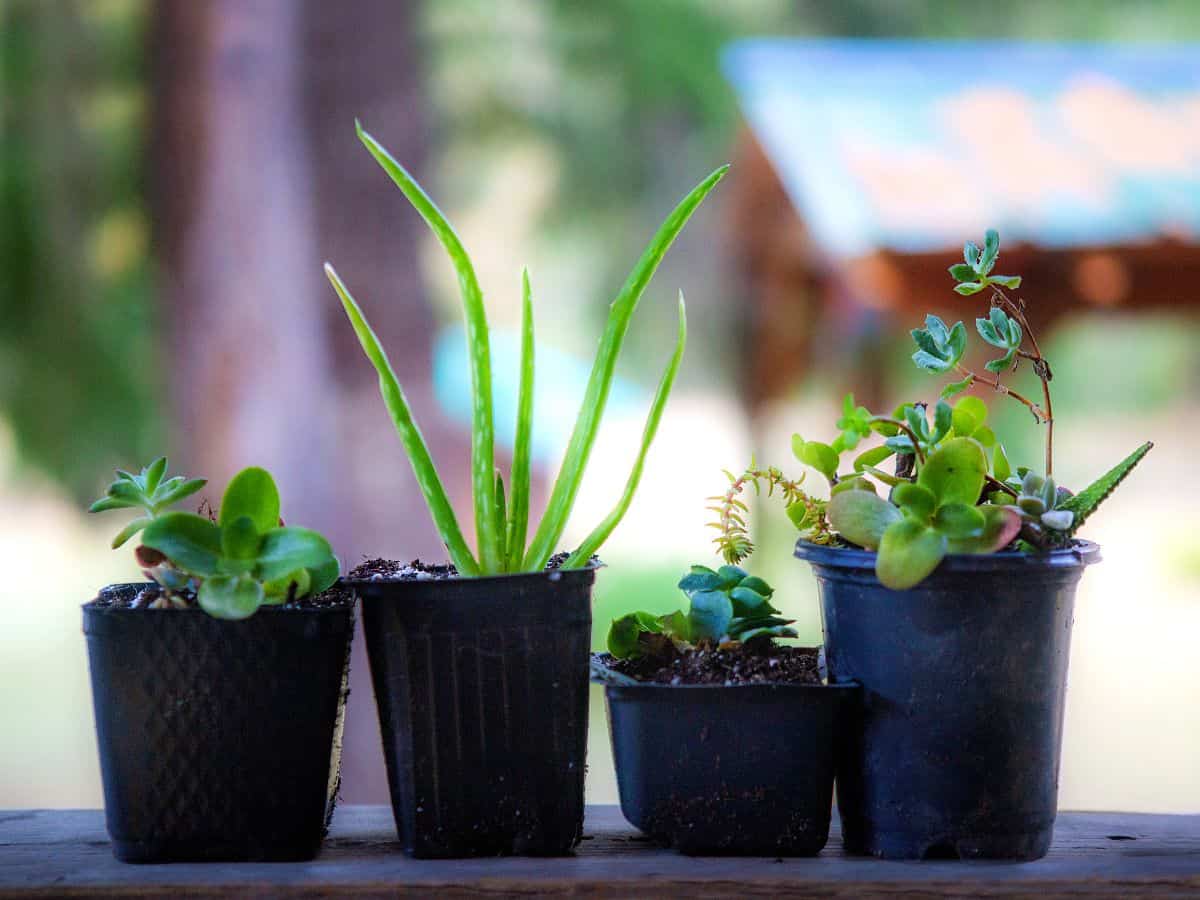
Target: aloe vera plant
[
  {"x": 953, "y": 488},
  {"x": 502, "y": 522}
]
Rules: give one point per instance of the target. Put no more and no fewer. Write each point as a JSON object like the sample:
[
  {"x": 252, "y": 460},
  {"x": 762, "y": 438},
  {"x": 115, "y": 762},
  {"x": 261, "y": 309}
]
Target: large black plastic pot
[
  {"x": 218, "y": 740},
  {"x": 482, "y": 690},
  {"x": 964, "y": 681},
  {"x": 743, "y": 769}
]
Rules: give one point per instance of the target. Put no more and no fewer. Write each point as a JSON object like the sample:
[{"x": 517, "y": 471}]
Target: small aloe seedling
[
  {"x": 501, "y": 525},
  {"x": 147, "y": 491},
  {"x": 726, "y": 606}
]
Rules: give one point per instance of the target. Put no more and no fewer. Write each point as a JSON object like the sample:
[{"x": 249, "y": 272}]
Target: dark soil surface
[
  {"x": 775, "y": 664},
  {"x": 141, "y": 597},
  {"x": 394, "y": 570}
]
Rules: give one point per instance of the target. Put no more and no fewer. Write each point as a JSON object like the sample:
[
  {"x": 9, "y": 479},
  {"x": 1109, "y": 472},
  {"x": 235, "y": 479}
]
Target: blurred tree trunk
[{"x": 260, "y": 179}]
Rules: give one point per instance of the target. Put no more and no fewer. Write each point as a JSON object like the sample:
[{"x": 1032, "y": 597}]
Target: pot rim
[
  {"x": 94, "y": 605},
  {"x": 771, "y": 687},
  {"x": 589, "y": 571},
  {"x": 1081, "y": 553}
]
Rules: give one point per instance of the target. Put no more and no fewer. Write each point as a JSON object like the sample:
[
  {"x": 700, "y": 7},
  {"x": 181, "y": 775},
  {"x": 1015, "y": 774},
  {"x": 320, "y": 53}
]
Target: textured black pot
[
  {"x": 743, "y": 769},
  {"x": 964, "y": 681},
  {"x": 482, "y": 690},
  {"x": 218, "y": 740}
]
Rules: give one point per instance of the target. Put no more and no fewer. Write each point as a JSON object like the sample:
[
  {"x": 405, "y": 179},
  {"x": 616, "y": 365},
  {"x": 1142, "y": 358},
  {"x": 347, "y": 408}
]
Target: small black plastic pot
[
  {"x": 218, "y": 740},
  {"x": 729, "y": 770},
  {"x": 964, "y": 681},
  {"x": 482, "y": 690}
]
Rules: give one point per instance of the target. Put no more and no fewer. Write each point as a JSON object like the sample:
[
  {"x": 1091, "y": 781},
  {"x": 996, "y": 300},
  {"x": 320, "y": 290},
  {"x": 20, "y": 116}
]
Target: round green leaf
[
  {"x": 958, "y": 520},
  {"x": 710, "y": 615},
  {"x": 230, "y": 596},
  {"x": 323, "y": 576},
  {"x": 1001, "y": 468},
  {"x": 908, "y": 552},
  {"x": 915, "y": 500},
  {"x": 191, "y": 542},
  {"x": 623, "y": 636},
  {"x": 284, "y": 550},
  {"x": 861, "y": 517},
  {"x": 819, "y": 456},
  {"x": 1000, "y": 527},
  {"x": 969, "y": 415},
  {"x": 955, "y": 471},
  {"x": 239, "y": 539},
  {"x": 251, "y": 493},
  {"x": 277, "y": 591}
]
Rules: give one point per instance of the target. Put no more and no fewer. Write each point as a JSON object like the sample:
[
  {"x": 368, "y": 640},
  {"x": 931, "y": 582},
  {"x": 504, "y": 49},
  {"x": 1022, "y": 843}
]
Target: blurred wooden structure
[{"x": 854, "y": 193}]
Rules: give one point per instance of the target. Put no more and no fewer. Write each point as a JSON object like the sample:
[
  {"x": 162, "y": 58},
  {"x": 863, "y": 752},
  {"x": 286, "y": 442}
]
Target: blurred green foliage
[{"x": 79, "y": 365}]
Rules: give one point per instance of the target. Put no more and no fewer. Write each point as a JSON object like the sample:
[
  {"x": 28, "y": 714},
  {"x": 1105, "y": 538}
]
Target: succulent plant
[
  {"x": 726, "y": 606},
  {"x": 148, "y": 491}
]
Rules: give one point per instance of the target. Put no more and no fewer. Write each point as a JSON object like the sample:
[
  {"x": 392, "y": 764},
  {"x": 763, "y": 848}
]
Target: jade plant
[
  {"x": 230, "y": 564},
  {"x": 726, "y": 607},
  {"x": 502, "y": 513},
  {"x": 953, "y": 488}
]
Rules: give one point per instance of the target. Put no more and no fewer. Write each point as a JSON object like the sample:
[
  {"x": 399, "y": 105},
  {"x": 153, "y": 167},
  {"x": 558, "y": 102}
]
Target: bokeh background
[{"x": 173, "y": 174}]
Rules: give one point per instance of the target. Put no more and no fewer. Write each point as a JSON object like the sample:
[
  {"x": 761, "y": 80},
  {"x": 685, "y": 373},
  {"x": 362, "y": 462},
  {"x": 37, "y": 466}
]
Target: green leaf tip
[{"x": 1083, "y": 504}]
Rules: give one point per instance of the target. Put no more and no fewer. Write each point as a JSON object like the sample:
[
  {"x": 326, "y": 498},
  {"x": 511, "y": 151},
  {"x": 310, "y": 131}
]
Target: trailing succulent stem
[
  {"x": 733, "y": 536},
  {"x": 501, "y": 528}
]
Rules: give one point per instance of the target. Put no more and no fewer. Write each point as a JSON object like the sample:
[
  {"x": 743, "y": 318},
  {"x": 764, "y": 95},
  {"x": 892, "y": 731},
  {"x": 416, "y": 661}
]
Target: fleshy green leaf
[
  {"x": 969, "y": 415},
  {"x": 710, "y": 615},
  {"x": 872, "y": 457},
  {"x": 1000, "y": 528},
  {"x": 251, "y": 494},
  {"x": 971, "y": 254},
  {"x": 819, "y": 456},
  {"x": 955, "y": 471},
  {"x": 1001, "y": 468},
  {"x": 130, "y": 530},
  {"x": 700, "y": 578},
  {"x": 230, "y": 596},
  {"x": 1012, "y": 282},
  {"x": 583, "y": 435},
  {"x": 153, "y": 473},
  {"x": 284, "y": 550},
  {"x": 959, "y": 520},
  {"x": 861, "y": 517},
  {"x": 239, "y": 538},
  {"x": 991, "y": 249},
  {"x": 756, "y": 584},
  {"x": 410, "y": 435},
  {"x": 483, "y": 464},
  {"x": 175, "y": 489},
  {"x": 915, "y": 500},
  {"x": 956, "y": 387},
  {"x": 518, "y": 508},
  {"x": 191, "y": 542},
  {"x": 968, "y": 288},
  {"x": 276, "y": 592},
  {"x": 322, "y": 577},
  {"x": 908, "y": 552},
  {"x": 1083, "y": 504},
  {"x": 623, "y": 635},
  {"x": 593, "y": 541},
  {"x": 962, "y": 272},
  {"x": 747, "y": 602}
]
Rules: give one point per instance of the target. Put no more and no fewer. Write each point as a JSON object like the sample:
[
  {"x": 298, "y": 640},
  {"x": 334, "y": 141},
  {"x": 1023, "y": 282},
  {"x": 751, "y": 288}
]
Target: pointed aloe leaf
[
  {"x": 1085, "y": 502},
  {"x": 593, "y": 541},
  {"x": 479, "y": 352},
  {"x": 502, "y": 519},
  {"x": 410, "y": 435},
  {"x": 583, "y": 436},
  {"x": 518, "y": 506}
]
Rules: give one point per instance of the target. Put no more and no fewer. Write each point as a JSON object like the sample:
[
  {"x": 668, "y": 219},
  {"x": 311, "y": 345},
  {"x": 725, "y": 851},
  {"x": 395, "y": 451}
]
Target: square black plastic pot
[
  {"x": 964, "y": 684},
  {"x": 730, "y": 770},
  {"x": 482, "y": 691},
  {"x": 218, "y": 740}
]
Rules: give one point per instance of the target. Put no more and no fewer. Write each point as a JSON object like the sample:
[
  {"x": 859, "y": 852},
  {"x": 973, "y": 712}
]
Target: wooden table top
[{"x": 63, "y": 853}]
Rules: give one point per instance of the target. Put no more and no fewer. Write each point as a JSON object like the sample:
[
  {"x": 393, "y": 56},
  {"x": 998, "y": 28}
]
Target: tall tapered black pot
[
  {"x": 482, "y": 690},
  {"x": 219, "y": 740},
  {"x": 964, "y": 681}
]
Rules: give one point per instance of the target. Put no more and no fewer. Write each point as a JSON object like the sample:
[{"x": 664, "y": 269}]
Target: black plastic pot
[
  {"x": 743, "y": 769},
  {"x": 218, "y": 740},
  {"x": 482, "y": 689},
  {"x": 964, "y": 680}
]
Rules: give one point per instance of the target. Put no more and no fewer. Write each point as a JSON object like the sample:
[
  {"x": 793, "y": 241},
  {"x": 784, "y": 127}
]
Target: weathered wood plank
[{"x": 65, "y": 853}]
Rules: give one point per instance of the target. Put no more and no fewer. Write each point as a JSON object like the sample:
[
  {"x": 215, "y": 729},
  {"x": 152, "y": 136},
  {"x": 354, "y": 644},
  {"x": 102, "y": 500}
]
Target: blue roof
[{"x": 915, "y": 145}]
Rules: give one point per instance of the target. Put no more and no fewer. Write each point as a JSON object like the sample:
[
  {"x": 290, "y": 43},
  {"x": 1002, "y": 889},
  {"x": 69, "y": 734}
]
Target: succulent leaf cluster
[
  {"x": 725, "y": 606},
  {"x": 243, "y": 560},
  {"x": 973, "y": 274}
]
